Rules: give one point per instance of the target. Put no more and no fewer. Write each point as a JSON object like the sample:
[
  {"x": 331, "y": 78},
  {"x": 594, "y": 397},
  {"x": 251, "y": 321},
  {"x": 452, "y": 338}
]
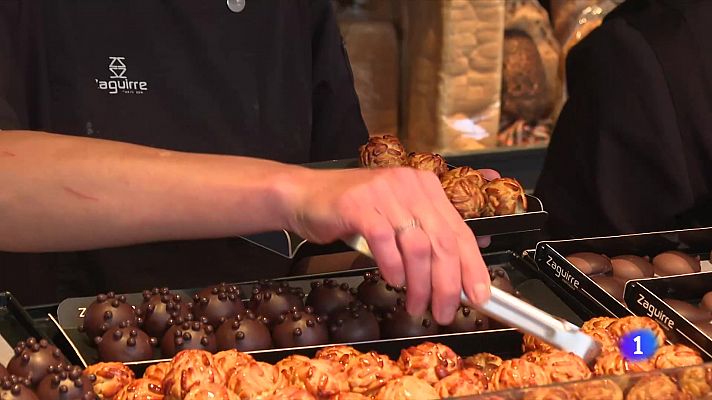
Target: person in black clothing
[
  {"x": 632, "y": 150},
  {"x": 271, "y": 81}
]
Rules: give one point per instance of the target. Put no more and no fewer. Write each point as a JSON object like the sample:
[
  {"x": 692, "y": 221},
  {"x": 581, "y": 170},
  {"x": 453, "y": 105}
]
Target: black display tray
[
  {"x": 523, "y": 276},
  {"x": 516, "y": 228},
  {"x": 550, "y": 260},
  {"x": 645, "y": 297}
]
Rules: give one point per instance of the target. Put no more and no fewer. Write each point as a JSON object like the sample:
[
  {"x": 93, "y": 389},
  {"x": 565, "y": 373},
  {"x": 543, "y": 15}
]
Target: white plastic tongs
[{"x": 518, "y": 314}]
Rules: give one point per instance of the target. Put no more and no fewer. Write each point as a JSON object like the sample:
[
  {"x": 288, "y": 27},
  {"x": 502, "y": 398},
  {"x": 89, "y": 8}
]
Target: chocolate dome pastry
[
  {"x": 463, "y": 172},
  {"x": 689, "y": 311},
  {"x": 590, "y": 263},
  {"x": 300, "y": 328},
  {"x": 466, "y": 196},
  {"x": 32, "y": 358},
  {"x": 160, "y": 310},
  {"x": 706, "y": 302},
  {"x": 125, "y": 343},
  {"x": 504, "y": 196},
  {"x": 193, "y": 335},
  {"x": 675, "y": 263},
  {"x": 398, "y": 323},
  {"x": 66, "y": 382},
  {"x": 430, "y": 162},
  {"x": 3, "y": 371},
  {"x": 467, "y": 320},
  {"x": 613, "y": 286},
  {"x": 245, "y": 332},
  {"x": 374, "y": 291},
  {"x": 500, "y": 279},
  {"x": 13, "y": 387},
  {"x": 271, "y": 299},
  {"x": 383, "y": 151},
  {"x": 356, "y": 323},
  {"x": 107, "y": 311},
  {"x": 327, "y": 297},
  {"x": 629, "y": 267},
  {"x": 217, "y": 303}
]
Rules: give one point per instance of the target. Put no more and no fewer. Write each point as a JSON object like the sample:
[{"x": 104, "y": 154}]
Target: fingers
[
  {"x": 489, "y": 174},
  {"x": 484, "y": 241}
]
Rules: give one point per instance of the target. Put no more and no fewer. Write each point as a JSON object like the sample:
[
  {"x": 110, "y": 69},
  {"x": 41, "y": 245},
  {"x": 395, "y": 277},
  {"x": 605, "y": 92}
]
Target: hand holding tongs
[{"x": 523, "y": 316}]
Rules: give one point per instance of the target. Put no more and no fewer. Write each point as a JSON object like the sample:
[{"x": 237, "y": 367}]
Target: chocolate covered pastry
[
  {"x": 676, "y": 355},
  {"x": 32, "y": 358},
  {"x": 383, "y": 151},
  {"x": 189, "y": 368},
  {"x": 430, "y": 162},
  {"x": 504, "y": 196},
  {"x": 13, "y": 387},
  {"x": 613, "y": 286},
  {"x": 106, "y": 312},
  {"x": 217, "y": 303},
  {"x": 374, "y": 291},
  {"x": 210, "y": 391},
  {"x": 110, "y": 378},
  {"x": 157, "y": 372},
  {"x": 399, "y": 323},
  {"x": 160, "y": 310},
  {"x": 485, "y": 362},
  {"x": 654, "y": 387},
  {"x": 141, "y": 389},
  {"x": 429, "y": 361},
  {"x": 622, "y": 326},
  {"x": 255, "y": 380},
  {"x": 690, "y": 311},
  {"x": 272, "y": 299},
  {"x": 328, "y": 297},
  {"x": 465, "y": 382},
  {"x": 407, "y": 388},
  {"x": 467, "y": 320},
  {"x": 613, "y": 363},
  {"x": 125, "y": 343},
  {"x": 562, "y": 366},
  {"x": 627, "y": 267},
  {"x": 500, "y": 279},
  {"x": 66, "y": 382},
  {"x": 300, "y": 328},
  {"x": 370, "y": 371},
  {"x": 230, "y": 360},
  {"x": 590, "y": 263},
  {"x": 466, "y": 196},
  {"x": 356, "y": 323},
  {"x": 675, "y": 263},
  {"x": 3, "y": 371},
  {"x": 190, "y": 335},
  {"x": 518, "y": 373},
  {"x": 706, "y": 302},
  {"x": 463, "y": 172},
  {"x": 244, "y": 332}
]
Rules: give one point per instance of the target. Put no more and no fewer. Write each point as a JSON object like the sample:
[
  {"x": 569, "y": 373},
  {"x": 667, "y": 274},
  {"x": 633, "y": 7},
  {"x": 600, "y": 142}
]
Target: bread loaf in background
[{"x": 452, "y": 74}]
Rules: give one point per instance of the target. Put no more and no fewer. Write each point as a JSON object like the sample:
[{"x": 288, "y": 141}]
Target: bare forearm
[{"x": 67, "y": 193}]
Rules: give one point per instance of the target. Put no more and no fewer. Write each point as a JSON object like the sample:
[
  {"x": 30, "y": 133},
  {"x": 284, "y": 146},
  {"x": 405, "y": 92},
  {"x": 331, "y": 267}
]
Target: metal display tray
[
  {"x": 550, "y": 260},
  {"x": 515, "y": 229},
  {"x": 523, "y": 276},
  {"x": 645, "y": 297}
]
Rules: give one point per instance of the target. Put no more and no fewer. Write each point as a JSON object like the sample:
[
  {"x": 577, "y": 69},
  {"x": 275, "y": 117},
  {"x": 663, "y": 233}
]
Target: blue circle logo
[{"x": 638, "y": 345}]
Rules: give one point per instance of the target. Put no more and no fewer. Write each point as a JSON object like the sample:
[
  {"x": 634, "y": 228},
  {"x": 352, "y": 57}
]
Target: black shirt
[
  {"x": 272, "y": 81},
  {"x": 632, "y": 150}
]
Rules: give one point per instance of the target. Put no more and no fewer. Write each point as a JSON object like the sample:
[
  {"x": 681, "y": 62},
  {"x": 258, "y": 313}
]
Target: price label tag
[{"x": 638, "y": 345}]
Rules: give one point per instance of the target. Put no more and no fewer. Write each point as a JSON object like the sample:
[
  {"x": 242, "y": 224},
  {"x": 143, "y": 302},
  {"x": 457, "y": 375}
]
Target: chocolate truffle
[
  {"x": 590, "y": 263},
  {"x": 467, "y": 320},
  {"x": 272, "y": 299},
  {"x": 217, "y": 303},
  {"x": 462, "y": 172},
  {"x": 300, "y": 328},
  {"x": 500, "y": 279},
  {"x": 3, "y": 371},
  {"x": 629, "y": 267},
  {"x": 107, "y": 311},
  {"x": 125, "y": 343},
  {"x": 466, "y": 196},
  {"x": 356, "y": 323},
  {"x": 615, "y": 287},
  {"x": 398, "y": 323},
  {"x": 374, "y": 291},
  {"x": 383, "y": 151},
  {"x": 328, "y": 297},
  {"x": 160, "y": 309},
  {"x": 32, "y": 358},
  {"x": 675, "y": 263},
  {"x": 706, "y": 302},
  {"x": 689, "y": 311},
  {"x": 504, "y": 196},
  {"x": 430, "y": 162},
  {"x": 193, "y": 335},
  {"x": 13, "y": 387},
  {"x": 66, "y": 382},
  {"x": 245, "y": 332}
]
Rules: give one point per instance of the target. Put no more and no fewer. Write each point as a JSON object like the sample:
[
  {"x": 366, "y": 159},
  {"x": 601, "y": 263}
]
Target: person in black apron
[
  {"x": 632, "y": 150},
  {"x": 264, "y": 79}
]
